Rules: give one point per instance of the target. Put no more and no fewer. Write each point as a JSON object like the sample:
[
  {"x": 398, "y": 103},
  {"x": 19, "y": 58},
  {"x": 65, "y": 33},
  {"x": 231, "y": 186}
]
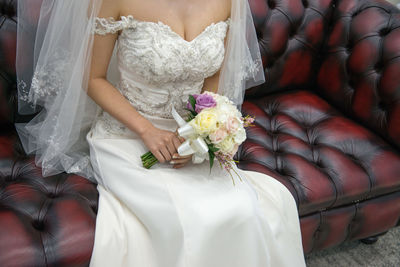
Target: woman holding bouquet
[{"x": 137, "y": 63}]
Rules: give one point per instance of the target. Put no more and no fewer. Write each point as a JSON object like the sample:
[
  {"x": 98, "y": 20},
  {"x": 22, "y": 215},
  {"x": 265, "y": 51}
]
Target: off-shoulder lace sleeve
[{"x": 105, "y": 26}]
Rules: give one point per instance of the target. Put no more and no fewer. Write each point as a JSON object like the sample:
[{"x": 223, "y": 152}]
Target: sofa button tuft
[
  {"x": 52, "y": 195},
  {"x": 384, "y": 31},
  {"x": 38, "y": 225},
  {"x": 271, "y": 4}
]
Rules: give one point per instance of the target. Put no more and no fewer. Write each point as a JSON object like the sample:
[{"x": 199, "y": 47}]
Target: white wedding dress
[{"x": 190, "y": 217}]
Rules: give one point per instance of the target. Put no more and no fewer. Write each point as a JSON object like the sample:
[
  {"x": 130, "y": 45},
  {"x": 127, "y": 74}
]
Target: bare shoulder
[
  {"x": 225, "y": 6},
  {"x": 164, "y": 9},
  {"x": 110, "y": 8},
  {"x": 220, "y": 9}
]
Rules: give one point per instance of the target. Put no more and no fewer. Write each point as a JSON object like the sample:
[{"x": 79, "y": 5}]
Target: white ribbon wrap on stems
[{"x": 194, "y": 144}]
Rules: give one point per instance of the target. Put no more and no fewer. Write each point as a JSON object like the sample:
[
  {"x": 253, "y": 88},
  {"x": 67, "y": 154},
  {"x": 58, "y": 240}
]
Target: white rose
[
  {"x": 227, "y": 145},
  {"x": 240, "y": 135}
]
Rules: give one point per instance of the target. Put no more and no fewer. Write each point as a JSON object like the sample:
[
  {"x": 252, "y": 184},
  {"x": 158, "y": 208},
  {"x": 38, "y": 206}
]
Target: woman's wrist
[
  {"x": 144, "y": 129},
  {"x": 140, "y": 125}
]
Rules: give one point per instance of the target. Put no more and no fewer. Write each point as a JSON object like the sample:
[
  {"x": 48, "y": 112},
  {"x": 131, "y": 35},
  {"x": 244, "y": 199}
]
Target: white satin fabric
[{"x": 189, "y": 217}]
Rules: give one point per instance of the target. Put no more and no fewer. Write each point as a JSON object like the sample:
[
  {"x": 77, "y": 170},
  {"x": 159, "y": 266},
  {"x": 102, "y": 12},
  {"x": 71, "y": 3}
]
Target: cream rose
[
  {"x": 227, "y": 145},
  {"x": 205, "y": 122}
]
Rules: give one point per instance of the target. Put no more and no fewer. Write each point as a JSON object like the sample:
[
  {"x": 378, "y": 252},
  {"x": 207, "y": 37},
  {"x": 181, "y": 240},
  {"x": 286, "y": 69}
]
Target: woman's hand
[
  {"x": 180, "y": 161},
  {"x": 163, "y": 144},
  {"x": 177, "y": 160}
]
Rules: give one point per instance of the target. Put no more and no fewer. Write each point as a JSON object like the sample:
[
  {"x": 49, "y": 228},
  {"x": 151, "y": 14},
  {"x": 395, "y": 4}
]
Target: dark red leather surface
[
  {"x": 7, "y": 146},
  {"x": 325, "y": 159},
  {"x": 45, "y": 221},
  {"x": 358, "y": 220},
  {"x": 291, "y": 35},
  {"x": 7, "y": 60},
  {"x": 360, "y": 72}
]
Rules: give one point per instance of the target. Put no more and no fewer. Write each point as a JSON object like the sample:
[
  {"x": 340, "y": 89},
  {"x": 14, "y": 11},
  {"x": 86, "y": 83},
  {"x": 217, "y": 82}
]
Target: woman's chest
[{"x": 155, "y": 52}]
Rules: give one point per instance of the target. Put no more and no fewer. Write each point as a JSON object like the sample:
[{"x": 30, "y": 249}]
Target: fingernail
[
  {"x": 172, "y": 162},
  {"x": 174, "y": 156}
]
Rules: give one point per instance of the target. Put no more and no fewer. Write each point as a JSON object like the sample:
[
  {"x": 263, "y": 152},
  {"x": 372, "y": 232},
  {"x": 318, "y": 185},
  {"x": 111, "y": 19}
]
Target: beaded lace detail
[
  {"x": 105, "y": 26},
  {"x": 158, "y": 68}
]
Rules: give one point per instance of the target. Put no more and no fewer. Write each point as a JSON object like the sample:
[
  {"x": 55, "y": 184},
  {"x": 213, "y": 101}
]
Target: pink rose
[
  {"x": 218, "y": 136},
  {"x": 232, "y": 124}
]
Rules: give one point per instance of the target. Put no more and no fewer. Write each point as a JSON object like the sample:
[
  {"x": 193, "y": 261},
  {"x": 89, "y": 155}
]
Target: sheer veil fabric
[{"x": 53, "y": 59}]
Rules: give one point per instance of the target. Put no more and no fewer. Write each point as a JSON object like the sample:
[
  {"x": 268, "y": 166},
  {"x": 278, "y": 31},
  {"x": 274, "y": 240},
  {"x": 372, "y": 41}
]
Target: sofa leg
[
  {"x": 372, "y": 239},
  {"x": 369, "y": 240}
]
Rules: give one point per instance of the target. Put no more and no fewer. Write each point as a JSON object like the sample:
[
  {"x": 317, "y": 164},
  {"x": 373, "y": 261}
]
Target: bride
[{"x": 136, "y": 60}]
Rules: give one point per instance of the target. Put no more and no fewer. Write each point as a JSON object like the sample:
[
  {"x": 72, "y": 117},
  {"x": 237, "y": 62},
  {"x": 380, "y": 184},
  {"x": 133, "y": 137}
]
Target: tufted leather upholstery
[
  {"x": 291, "y": 35},
  {"x": 354, "y": 221},
  {"x": 360, "y": 73},
  {"x": 45, "y": 222},
  {"x": 6, "y": 146},
  {"x": 325, "y": 159},
  {"x": 340, "y": 159},
  {"x": 7, "y": 60}
]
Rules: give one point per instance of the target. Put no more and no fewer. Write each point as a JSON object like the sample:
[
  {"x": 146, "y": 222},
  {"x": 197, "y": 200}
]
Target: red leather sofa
[{"x": 327, "y": 127}]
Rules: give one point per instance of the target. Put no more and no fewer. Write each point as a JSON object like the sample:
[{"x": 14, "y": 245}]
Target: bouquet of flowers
[{"x": 213, "y": 130}]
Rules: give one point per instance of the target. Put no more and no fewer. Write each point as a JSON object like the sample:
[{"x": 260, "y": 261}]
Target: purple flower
[{"x": 204, "y": 101}]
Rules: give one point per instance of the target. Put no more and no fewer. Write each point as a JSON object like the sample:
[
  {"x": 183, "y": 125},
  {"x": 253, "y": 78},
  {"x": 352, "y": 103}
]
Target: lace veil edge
[
  {"x": 53, "y": 56},
  {"x": 242, "y": 68}
]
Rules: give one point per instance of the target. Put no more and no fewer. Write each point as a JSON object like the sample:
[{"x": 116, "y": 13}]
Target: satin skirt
[{"x": 188, "y": 217}]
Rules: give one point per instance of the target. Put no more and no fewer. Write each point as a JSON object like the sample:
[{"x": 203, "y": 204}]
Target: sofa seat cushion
[
  {"x": 45, "y": 221},
  {"x": 325, "y": 159}
]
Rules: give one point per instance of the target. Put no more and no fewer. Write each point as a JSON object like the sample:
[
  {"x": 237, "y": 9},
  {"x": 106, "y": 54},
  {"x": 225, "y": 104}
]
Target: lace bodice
[{"x": 158, "y": 68}]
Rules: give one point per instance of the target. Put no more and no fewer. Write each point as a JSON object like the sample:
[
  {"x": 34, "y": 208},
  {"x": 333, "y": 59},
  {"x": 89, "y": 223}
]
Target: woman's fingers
[
  {"x": 180, "y": 161},
  {"x": 159, "y": 156},
  {"x": 167, "y": 156},
  {"x": 177, "y": 143},
  {"x": 180, "y": 138},
  {"x": 177, "y": 156},
  {"x": 178, "y": 166},
  {"x": 171, "y": 148}
]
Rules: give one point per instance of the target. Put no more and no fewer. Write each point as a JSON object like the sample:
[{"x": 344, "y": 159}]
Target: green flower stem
[{"x": 148, "y": 160}]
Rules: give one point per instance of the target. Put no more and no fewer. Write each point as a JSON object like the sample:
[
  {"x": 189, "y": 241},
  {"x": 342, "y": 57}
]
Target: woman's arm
[
  {"x": 163, "y": 144},
  {"x": 211, "y": 83}
]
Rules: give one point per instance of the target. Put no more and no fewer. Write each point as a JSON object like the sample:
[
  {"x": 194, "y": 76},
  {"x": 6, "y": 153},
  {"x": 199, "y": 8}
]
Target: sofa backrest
[
  {"x": 360, "y": 72},
  {"x": 7, "y": 61},
  {"x": 291, "y": 35}
]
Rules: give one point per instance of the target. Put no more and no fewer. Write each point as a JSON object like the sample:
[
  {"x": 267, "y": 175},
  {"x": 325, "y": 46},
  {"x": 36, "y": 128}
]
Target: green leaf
[
  {"x": 212, "y": 148},
  {"x": 192, "y": 101},
  {"x": 212, "y": 157},
  {"x": 192, "y": 114},
  {"x": 190, "y": 117}
]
